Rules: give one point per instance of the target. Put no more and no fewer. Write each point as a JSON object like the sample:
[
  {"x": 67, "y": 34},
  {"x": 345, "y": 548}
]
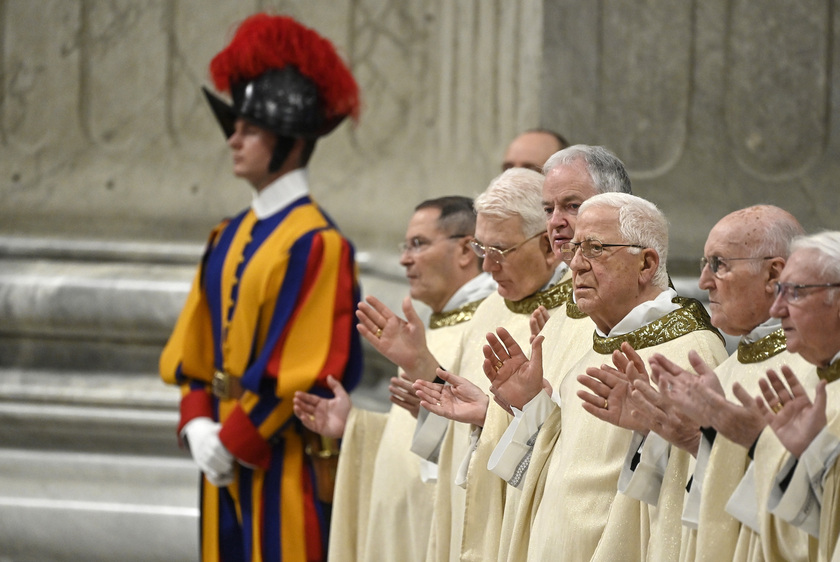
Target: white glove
[{"x": 216, "y": 462}]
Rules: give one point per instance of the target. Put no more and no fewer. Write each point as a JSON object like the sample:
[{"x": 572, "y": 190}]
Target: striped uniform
[{"x": 273, "y": 305}]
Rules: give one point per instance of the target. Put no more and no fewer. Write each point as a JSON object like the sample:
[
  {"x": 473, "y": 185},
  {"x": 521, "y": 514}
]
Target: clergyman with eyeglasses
[
  {"x": 744, "y": 256},
  {"x": 617, "y": 257},
  {"x": 381, "y": 484},
  {"x": 511, "y": 221},
  {"x": 804, "y": 486}
]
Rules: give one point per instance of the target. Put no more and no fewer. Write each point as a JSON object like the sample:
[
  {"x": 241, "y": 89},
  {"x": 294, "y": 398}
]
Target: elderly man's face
[
  {"x": 607, "y": 287},
  {"x": 741, "y": 292},
  {"x": 812, "y": 322},
  {"x": 431, "y": 259},
  {"x": 523, "y": 271},
  {"x": 564, "y": 190}
]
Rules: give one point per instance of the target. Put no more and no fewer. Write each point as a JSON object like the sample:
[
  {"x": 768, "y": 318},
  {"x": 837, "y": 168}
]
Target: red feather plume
[{"x": 263, "y": 42}]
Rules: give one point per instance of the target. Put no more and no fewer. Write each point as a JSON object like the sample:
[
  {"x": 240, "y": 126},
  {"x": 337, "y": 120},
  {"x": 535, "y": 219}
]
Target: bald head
[
  {"x": 741, "y": 291},
  {"x": 762, "y": 230},
  {"x": 531, "y": 149}
]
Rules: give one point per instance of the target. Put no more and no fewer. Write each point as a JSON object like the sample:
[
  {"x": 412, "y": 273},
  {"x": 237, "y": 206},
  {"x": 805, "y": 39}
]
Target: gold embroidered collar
[
  {"x": 552, "y": 297},
  {"x": 765, "y": 348},
  {"x": 830, "y": 373},
  {"x": 690, "y": 317},
  {"x": 453, "y": 317},
  {"x": 572, "y": 310}
]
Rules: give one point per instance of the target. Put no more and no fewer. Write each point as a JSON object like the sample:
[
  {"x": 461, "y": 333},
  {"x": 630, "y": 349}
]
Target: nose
[
  {"x": 489, "y": 265},
  {"x": 707, "y": 278},
  {"x": 557, "y": 219},
  {"x": 779, "y": 307},
  {"x": 234, "y": 140},
  {"x": 406, "y": 258},
  {"x": 578, "y": 262}
]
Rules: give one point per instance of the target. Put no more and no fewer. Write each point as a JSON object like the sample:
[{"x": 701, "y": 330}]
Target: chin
[{"x": 509, "y": 294}]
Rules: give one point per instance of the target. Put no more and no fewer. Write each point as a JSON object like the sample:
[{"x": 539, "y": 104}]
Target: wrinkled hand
[
  {"x": 460, "y": 400},
  {"x": 695, "y": 396},
  {"x": 798, "y": 421},
  {"x": 662, "y": 417},
  {"x": 207, "y": 451},
  {"x": 514, "y": 380},
  {"x": 537, "y": 322},
  {"x": 403, "y": 395},
  {"x": 403, "y": 342},
  {"x": 609, "y": 396},
  {"x": 326, "y": 416}
]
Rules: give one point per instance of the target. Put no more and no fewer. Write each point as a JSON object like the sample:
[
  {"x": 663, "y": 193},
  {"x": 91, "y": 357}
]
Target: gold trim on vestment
[
  {"x": 830, "y": 373},
  {"x": 552, "y": 297},
  {"x": 765, "y": 348},
  {"x": 453, "y": 317},
  {"x": 690, "y": 317},
  {"x": 572, "y": 310}
]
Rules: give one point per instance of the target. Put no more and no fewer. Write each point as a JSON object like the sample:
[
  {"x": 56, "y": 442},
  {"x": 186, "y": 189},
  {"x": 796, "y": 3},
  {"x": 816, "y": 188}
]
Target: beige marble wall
[
  {"x": 713, "y": 105},
  {"x": 104, "y": 131}
]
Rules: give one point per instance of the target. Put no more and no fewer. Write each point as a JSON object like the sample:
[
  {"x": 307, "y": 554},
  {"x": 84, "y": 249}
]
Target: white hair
[
  {"x": 827, "y": 246},
  {"x": 517, "y": 192},
  {"x": 606, "y": 170},
  {"x": 639, "y": 222}
]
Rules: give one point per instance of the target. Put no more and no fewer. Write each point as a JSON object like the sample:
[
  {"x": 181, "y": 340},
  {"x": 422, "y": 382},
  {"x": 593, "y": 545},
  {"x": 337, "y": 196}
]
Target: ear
[
  {"x": 551, "y": 258},
  {"x": 649, "y": 260},
  {"x": 466, "y": 257},
  {"x": 774, "y": 271}
]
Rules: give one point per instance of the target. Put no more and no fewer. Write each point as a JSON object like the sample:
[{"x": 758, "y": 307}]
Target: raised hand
[
  {"x": 460, "y": 400},
  {"x": 403, "y": 395},
  {"x": 695, "y": 395},
  {"x": 403, "y": 342},
  {"x": 791, "y": 415},
  {"x": 537, "y": 321},
  {"x": 608, "y": 399},
  {"x": 327, "y": 416},
  {"x": 740, "y": 424},
  {"x": 514, "y": 379},
  {"x": 661, "y": 416}
]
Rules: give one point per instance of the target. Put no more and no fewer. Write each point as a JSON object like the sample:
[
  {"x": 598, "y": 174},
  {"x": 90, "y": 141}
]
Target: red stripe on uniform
[
  {"x": 241, "y": 438},
  {"x": 196, "y": 404},
  {"x": 344, "y": 319}
]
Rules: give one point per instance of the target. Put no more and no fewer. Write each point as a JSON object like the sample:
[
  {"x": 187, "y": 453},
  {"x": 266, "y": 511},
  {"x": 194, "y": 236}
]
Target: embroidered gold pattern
[
  {"x": 453, "y": 317},
  {"x": 552, "y": 297},
  {"x": 690, "y": 317},
  {"x": 572, "y": 310},
  {"x": 765, "y": 348},
  {"x": 830, "y": 373}
]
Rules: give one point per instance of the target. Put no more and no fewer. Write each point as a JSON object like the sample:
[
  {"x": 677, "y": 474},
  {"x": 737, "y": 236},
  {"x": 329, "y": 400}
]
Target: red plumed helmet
[{"x": 284, "y": 77}]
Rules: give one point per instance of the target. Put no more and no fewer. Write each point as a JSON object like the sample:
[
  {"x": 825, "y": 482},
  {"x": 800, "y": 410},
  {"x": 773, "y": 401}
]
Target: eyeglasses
[
  {"x": 417, "y": 244},
  {"x": 590, "y": 248},
  {"x": 792, "y": 292},
  {"x": 497, "y": 255},
  {"x": 716, "y": 262}
]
